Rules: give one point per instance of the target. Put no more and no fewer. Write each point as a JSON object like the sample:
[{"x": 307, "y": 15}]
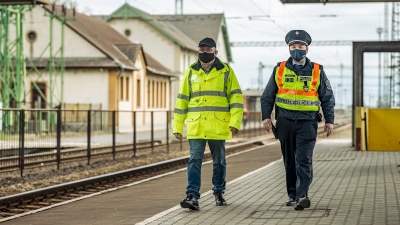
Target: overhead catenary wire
[{"x": 273, "y": 21}]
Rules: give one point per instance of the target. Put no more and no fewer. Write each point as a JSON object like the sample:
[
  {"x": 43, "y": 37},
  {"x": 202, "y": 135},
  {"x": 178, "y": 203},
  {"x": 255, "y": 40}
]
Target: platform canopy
[
  {"x": 334, "y": 1},
  {"x": 23, "y": 2}
]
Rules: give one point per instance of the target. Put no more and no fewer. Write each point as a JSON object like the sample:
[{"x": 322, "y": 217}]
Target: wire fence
[{"x": 32, "y": 137}]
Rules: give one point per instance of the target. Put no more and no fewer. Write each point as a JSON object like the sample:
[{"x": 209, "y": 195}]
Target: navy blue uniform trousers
[{"x": 297, "y": 139}]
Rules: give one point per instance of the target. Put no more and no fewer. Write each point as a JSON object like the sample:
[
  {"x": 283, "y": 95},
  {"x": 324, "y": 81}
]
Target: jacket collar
[
  {"x": 217, "y": 64},
  {"x": 305, "y": 70}
]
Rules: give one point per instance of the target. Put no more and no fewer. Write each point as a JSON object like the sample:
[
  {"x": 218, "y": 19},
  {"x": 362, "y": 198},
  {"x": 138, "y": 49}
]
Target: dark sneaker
[
  {"x": 219, "y": 199},
  {"x": 190, "y": 202},
  {"x": 290, "y": 202},
  {"x": 302, "y": 203}
]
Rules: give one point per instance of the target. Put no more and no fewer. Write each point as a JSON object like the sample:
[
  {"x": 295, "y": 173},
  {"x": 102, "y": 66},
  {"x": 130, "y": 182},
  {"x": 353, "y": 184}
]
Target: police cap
[
  {"x": 299, "y": 36},
  {"x": 208, "y": 41}
]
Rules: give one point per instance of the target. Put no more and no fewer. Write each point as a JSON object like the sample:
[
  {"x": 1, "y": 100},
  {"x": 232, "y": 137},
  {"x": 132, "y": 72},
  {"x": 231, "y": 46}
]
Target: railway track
[
  {"x": 24, "y": 203},
  {"x": 49, "y": 158}
]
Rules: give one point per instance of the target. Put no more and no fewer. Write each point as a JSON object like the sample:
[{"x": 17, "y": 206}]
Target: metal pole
[
  {"x": 5, "y": 21},
  {"x": 113, "y": 133},
  {"x": 64, "y": 117},
  {"x": 21, "y": 140},
  {"x": 167, "y": 132},
  {"x": 134, "y": 134},
  {"x": 59, "y": 121},
  {"x": 88, "y": 136},
  {"x": 379, "y": 30},
  {"x": 152, "y": 131},
  {"x": 63, "y": 21},
  {"x": 20, "y": 59},
  {"x": 51, "y": 66},
  {"x": 341, "y": 87}
]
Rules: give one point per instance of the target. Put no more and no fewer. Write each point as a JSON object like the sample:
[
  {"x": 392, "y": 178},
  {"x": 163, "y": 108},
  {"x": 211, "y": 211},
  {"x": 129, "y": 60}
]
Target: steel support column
[{"x": 358, "y": 72}]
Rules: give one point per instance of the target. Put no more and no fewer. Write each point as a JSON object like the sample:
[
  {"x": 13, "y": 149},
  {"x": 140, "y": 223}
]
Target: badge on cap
[{"x": 297, "y": 33}]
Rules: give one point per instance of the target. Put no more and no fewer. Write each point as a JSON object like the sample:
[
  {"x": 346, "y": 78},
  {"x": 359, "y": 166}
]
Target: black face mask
[
  {"x": 206, "y": 57},
  {"x": 298, "y": 54}
]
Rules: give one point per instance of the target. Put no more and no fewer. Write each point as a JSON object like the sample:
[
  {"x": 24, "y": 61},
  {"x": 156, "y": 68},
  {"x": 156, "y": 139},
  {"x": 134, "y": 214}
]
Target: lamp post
[{"x": 379, "y": 30}]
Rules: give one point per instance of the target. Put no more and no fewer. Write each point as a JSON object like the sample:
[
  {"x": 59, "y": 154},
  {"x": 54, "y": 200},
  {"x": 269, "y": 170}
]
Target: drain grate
[{"x": 289, "y": 213}]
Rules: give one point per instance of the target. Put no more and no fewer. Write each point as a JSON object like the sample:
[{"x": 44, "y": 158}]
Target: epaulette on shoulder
[{"x": 321, "y": 67}]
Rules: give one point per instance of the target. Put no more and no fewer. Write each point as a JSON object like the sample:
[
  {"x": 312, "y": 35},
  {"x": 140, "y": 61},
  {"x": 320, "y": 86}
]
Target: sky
[{"x": 270, "y": 20}]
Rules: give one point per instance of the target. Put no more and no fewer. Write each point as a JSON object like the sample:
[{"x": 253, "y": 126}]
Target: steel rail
[
  {"x": 42, "y": 193},
  {"x": 46, "y": 192}
]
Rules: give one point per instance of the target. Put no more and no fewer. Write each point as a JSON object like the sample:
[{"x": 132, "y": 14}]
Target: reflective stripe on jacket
[
  {"x": 210, "y": 103},
  {"x": 295, "y": 92}
]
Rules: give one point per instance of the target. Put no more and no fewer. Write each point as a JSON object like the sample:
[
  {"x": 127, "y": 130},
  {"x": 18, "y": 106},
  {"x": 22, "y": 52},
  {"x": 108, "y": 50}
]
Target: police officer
[
  {"x": 298, "y": 88},
  {"x": 211, "y": 102}
]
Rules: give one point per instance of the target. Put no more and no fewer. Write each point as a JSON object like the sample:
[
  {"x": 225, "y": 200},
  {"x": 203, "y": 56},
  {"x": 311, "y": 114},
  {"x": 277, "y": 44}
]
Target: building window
[
  {"x": 127, "y": 89},
  {"x": 121, "y": 88},
  {"x": 149, "y": 94},
  {"x": 31, "y": 36},
  {"x": 138, "y": 93},
  {"x": 39, "y": 95},
  {"x": 127, "y": 32},
  {"x": 153, "y": 84},
  {"x": 157, "y": 95},
  {"x": 165, "y": 95}
]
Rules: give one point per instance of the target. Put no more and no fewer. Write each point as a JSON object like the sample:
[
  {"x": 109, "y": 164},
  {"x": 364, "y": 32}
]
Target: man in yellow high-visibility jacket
[
  {"x": 211, "y": 102},
  {"x": 298, "y": 87}
]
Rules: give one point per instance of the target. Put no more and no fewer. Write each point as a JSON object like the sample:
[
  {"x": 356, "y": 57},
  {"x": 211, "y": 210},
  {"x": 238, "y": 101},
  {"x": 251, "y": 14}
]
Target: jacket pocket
[
  {"x": 193, "y": 122},
  {"x": 222, "y": 120}
]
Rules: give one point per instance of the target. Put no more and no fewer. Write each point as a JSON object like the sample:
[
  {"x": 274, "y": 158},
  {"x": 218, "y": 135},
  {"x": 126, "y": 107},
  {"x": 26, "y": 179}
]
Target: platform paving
[{"x": 349, "y": 187}]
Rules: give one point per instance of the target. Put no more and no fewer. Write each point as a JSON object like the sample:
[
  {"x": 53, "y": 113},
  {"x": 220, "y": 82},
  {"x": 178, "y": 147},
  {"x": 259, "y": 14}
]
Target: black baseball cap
[
  {"x": 298, "y": 36},
  {"x": 208, "y": 41}
]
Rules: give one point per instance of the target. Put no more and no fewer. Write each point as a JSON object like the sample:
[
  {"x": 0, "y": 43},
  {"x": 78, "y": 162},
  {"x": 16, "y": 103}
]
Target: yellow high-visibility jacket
[{"x": 210, "y": 103}]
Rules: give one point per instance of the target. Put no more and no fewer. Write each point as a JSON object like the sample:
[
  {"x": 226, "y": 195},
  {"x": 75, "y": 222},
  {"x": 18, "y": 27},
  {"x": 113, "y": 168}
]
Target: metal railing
[{"x": 33, "y": 137}]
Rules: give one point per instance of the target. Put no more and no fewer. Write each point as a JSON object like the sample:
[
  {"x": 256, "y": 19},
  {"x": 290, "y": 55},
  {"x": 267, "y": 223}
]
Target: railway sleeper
[
  {"x": 17, "y": 210},
  {"x": 6, "y": 214}
]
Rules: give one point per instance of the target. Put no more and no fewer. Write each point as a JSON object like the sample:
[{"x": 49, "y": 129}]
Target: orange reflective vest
[{"x": 297, "y": 92}]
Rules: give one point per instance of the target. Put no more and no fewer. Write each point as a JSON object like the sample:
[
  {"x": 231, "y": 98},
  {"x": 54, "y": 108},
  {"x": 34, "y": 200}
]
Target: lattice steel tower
[
  {"x": 12, "y": 59},
  {"x": 394, "y": 78}
]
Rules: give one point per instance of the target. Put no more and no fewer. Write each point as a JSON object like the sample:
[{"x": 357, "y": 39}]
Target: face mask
[
  {"x": 298, "y": 54},
  {"x": 206, "y": 57}
]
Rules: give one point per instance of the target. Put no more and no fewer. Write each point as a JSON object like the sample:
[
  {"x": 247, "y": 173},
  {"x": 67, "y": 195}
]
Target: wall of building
[
  {"x": 164, "y": 50},
  {"x": 83, "y": 86},
  {"x": 221, "y": 47},
  {"x": 154, "y": 42},
  {"x": 37, "y": 21}
]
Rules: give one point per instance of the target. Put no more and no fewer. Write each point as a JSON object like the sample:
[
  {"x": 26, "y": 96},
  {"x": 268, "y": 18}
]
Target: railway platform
[{"x": 349, "y": 187}]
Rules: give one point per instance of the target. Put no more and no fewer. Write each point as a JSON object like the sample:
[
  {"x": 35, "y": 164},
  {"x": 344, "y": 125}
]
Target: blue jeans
[{"x": 197, "y": 147}]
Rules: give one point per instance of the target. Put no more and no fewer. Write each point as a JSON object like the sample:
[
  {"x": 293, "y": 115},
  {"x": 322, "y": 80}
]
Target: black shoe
[
  {"x": 190, "y": 202},
  {"x": 290, "y": 202},
  {"x": 219, "y": 199},
  {"x": 302, "y": 203}
]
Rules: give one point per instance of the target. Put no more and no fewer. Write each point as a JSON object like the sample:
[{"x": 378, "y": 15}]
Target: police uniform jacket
[
  {"x": 325, "y": 95},
  {"x": 210, "y": 103}
]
